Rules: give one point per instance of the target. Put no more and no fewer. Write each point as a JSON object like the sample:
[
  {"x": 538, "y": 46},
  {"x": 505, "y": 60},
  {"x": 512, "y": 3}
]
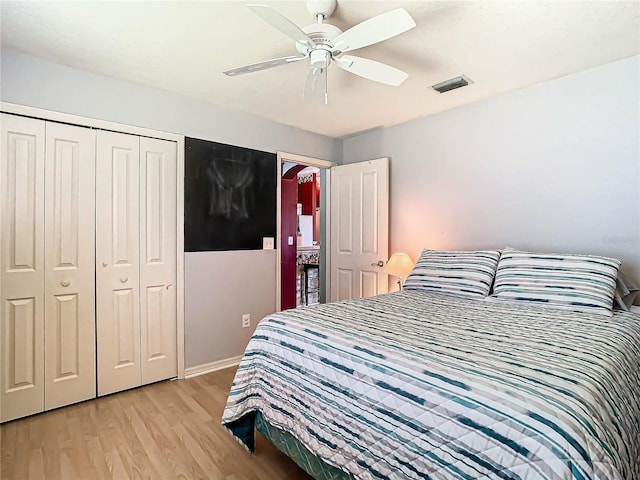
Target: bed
[{"x": 419, "y": 384}]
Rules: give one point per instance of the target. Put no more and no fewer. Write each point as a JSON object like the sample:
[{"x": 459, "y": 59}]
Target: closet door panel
[
  {"x": 70, "y": 371},
  {"x": 22, "y": 266},
  {"x": 117, "y": 261},
  {"x": 158, "y": 259}
]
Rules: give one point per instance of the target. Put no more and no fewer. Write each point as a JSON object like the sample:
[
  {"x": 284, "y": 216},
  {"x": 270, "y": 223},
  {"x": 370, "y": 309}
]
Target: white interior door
[
  {"x": 117, "y": 261},
  {"x": 70, "y": 365},
  {"x": 359, "y": 229},
  {"x": 157, "y": 259},
  {"x": 22, "y": 264}
]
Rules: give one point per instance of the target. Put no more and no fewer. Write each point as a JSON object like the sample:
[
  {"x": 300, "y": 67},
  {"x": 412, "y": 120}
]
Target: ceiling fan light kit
[
  {"x": 320, "y": 58},
  {"x": 323, "y": 43}
]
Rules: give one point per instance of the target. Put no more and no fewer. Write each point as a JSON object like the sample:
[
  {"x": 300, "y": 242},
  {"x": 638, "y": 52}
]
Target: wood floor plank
[
  {"x": 169, "y": 430},
  {"x": 36, "y": 464},
  {"x": 116, "y": 467},
  {"x": 153, "y": 453},
  {"x": 8, "y": 442},
  {"x": 194, "y": 406},
  {"x": 98, "y": 461},
  {"x": 21, "y": 461},
  {"x": 77, "y": 448},
  {"x": 203, "y": 459}
]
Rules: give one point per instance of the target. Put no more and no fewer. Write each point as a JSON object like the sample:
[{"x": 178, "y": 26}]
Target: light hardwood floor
[{"x": 168, "y": 430}]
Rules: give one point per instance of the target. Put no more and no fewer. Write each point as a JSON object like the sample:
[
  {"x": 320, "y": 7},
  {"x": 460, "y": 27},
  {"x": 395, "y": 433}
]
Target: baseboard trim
[{"x": 211, "y": 367}]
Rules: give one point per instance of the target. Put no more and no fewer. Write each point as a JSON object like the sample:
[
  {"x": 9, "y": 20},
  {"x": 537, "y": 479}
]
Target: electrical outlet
[
  {"x": 267, "y": 243},
  {"x": 246, "y": 320}
]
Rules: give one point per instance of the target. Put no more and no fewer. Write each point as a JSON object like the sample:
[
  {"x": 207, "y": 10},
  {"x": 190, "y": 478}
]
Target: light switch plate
[
  {"x": 289, "y": 240},
  {"x": 268, "y": 243}
]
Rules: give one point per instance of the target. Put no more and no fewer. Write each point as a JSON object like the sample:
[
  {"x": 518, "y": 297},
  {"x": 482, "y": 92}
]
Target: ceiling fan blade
[
  {"x": 374, "y": 30},
  {"x": 282, "y": 23},
  {"x": 376, "y": 71},
  {"x": 315, "y": 88},
  {"x": 254, "y": 67}
]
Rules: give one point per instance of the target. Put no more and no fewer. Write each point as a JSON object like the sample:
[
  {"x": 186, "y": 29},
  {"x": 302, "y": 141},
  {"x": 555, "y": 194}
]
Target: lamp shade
[{"x": 400, "y": 265}]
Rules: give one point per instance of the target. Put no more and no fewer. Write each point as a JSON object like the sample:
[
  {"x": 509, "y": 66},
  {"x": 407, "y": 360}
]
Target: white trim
[
  {"x": 327, "y": 238},
  {"x": 278, "y": 233},
  {"x": 312, "y": 162},
  {"x": 180, "y": 347},
  {"x": 49, "y": 115},
  {"x": 212, "y": 367}
]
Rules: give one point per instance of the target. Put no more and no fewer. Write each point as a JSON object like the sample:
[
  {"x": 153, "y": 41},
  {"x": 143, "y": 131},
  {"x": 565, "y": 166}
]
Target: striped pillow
[
  {"x": 468, "y": 274},
  {"x": 581, "y": 283}
]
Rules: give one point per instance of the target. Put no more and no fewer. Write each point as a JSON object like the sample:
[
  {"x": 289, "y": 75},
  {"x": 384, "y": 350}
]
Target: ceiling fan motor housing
[{"x": 322, "y": 35}]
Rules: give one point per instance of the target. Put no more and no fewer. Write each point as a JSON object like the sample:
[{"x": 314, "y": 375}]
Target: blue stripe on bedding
[{"x": 415, "y": 385}]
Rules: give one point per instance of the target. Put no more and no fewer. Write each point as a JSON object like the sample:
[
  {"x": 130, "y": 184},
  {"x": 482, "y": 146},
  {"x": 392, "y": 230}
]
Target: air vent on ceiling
[{"x": 452, "y": 84}]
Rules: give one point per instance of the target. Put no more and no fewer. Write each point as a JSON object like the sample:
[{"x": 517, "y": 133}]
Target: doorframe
[
  {"x": 53, "y": 116},
  {"x": 311, "y": 162}
]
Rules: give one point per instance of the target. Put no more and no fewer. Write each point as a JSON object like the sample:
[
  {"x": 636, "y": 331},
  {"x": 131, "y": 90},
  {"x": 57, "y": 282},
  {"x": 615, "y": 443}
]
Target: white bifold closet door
[
  {"x": 22, "y": 281},
  {"x": 135, "y": 261},
  {"x": 47, "y": 265},
  {"x": 157, "y": 259},
  {"x": 69, "y": 239}
]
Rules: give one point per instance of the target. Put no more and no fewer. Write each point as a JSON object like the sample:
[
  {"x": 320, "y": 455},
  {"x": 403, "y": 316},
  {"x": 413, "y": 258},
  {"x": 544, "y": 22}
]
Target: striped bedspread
[{"x": 415, "y": 385}]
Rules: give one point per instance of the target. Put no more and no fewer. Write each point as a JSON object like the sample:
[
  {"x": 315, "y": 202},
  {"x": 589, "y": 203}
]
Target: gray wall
[
  {"x": 219, "y": 286},
  {"x": 554, "y": 167}
]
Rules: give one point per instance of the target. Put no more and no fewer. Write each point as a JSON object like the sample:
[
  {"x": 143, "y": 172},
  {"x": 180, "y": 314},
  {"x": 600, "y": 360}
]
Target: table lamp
[{"x": 399, "y": 265}]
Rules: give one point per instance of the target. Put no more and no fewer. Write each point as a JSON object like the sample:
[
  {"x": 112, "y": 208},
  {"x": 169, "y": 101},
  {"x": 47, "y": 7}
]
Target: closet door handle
[
  {"x": 168, "y": 286},
  {"x": 65, "y": 283},
  {"x": 124, "y": 279},
  {"x": 105, "y": 264}
]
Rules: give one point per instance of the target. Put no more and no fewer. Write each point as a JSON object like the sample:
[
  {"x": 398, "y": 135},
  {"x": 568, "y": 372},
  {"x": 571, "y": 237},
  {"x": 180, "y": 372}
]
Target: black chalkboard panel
[{"x": 229, "y": 196}]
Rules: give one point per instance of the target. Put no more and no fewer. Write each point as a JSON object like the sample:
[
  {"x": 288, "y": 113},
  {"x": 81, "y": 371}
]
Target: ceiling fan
[{"x": 324, "y": 43}]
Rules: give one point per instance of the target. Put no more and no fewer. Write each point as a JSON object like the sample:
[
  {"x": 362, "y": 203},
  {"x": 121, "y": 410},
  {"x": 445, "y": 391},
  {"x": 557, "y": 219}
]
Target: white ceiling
[{"x": 183, "y": 47}]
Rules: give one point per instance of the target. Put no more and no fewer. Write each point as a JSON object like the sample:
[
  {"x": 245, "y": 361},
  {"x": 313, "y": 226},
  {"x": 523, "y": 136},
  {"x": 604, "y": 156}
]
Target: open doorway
[
  {"x": 300, "y": 235},
  {"x": 303, "y": 223}
]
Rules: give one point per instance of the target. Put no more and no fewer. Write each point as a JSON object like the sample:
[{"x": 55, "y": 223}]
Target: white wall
[
  {"x": 554, "y": 167},
  {"x": 219, "y": 286}
]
